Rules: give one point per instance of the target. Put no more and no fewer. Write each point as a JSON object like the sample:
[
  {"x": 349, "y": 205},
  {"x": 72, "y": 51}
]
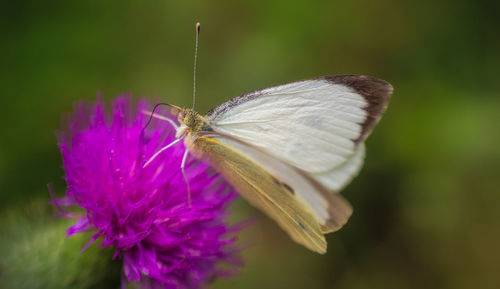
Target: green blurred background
[{"x": 426, "y": 205}]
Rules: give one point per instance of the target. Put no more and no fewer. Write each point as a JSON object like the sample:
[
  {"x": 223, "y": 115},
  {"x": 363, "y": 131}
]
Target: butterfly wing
[
  {"x": 317, "y": 125},
  {"x": 339, "y": 177},
  {"x": 273, "y": 186}
]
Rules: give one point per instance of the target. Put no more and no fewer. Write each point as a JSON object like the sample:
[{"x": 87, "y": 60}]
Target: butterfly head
[
  {"x": 190, "y": 122},
  {"x": 188, "y": 117}
]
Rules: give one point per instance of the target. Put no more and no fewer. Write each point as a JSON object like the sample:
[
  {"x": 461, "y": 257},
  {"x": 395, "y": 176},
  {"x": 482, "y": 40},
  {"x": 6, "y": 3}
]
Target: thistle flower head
[{"x": 143, "y": 212}]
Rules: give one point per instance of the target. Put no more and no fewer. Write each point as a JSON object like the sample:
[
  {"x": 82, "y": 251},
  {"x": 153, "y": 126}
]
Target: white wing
[
  {"x": 315, "y": 125},
  {"x": 339, "y": 177},
  {"x": 330, "y": 211}
]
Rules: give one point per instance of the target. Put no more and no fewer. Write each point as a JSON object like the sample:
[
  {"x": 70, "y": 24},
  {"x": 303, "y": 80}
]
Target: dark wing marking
[{"x": 375, "y": 91}]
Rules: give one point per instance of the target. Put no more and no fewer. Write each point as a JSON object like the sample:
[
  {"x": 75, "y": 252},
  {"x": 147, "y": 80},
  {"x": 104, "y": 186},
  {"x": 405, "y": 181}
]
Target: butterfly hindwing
[{"x": 263, "y": 190}]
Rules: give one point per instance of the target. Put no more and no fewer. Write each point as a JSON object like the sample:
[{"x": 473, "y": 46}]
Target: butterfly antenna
[
  {"x": 154, "y": 109},
  {"x": 198, "y": 25}
]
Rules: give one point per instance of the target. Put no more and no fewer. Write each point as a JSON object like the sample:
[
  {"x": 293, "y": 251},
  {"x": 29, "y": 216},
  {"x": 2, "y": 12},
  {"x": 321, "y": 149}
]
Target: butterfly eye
[{"x": 188, "y": 120}]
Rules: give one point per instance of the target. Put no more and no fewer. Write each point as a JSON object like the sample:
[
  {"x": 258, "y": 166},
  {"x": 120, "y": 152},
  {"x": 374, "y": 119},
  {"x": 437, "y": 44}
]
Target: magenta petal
[
  {"x": 80, "y": 226},
  {"x": 143, "y": 212}
]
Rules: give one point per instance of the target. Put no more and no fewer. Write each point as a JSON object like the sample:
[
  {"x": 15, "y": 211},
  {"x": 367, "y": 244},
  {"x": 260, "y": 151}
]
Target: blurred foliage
[
  {"x": 36, "y": 254},
  {"x": 426, "y": 205}
]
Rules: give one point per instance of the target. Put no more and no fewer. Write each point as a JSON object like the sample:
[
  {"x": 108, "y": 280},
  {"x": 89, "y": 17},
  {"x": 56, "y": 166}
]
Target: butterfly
[{"x": 289, "y": 149}]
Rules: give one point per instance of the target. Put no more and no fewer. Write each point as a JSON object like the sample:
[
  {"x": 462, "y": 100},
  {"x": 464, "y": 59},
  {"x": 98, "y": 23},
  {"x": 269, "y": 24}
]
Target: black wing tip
[
  {"x": 376, "y": 93},
  {"x": 367, "y": 86}
]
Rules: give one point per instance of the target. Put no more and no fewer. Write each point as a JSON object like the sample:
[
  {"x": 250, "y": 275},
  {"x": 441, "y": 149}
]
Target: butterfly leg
[
  {"x": 160, "y": 151},
  {"x": 172, "y": 123},
  {"x": 183, "y": 164}
]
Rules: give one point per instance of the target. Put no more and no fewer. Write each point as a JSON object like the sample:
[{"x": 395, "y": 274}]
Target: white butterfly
[{"x": 290, "y": 149}]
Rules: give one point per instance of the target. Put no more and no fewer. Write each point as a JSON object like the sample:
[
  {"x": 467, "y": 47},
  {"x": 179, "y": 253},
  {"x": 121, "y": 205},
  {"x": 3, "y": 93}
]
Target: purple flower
[{"x": 144, "y": 212}]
